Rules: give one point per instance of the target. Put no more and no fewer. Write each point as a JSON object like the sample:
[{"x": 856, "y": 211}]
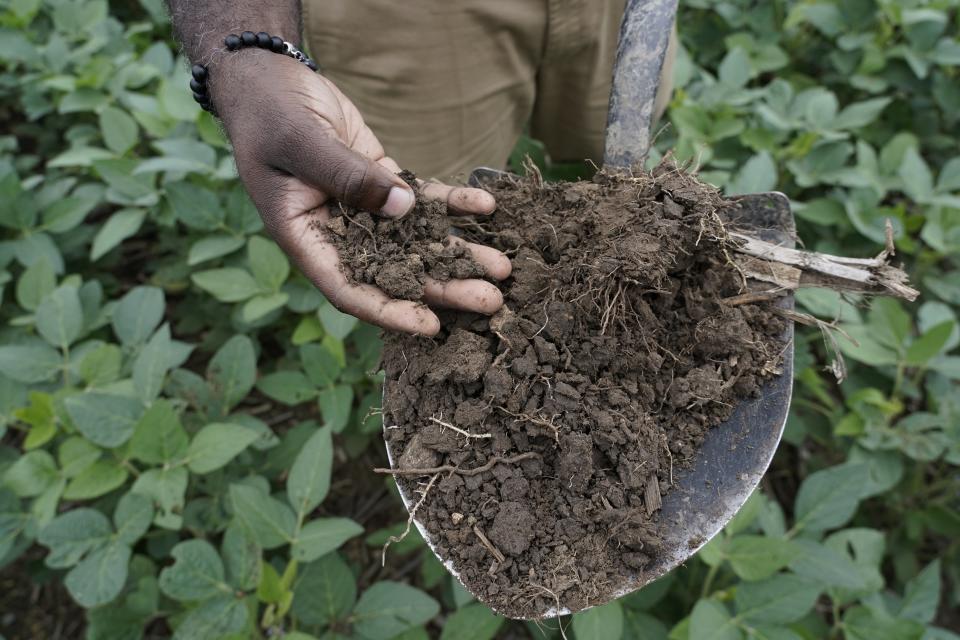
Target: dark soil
[{"x": 613, "y": 355}]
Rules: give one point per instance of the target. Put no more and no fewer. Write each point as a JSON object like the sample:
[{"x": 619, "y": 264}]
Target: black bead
[
  {"x": 276, "y": 44},
  {"x": 199, "y": 72},
  {"x": 311, "y": 64},
  {"x": 198, "y": 87},
  {"x": 233, "y": 42},
  {"x": 263, "y": 40},
  {"x": 248, "y": 38},
  {"x": 201, "y": 98}
]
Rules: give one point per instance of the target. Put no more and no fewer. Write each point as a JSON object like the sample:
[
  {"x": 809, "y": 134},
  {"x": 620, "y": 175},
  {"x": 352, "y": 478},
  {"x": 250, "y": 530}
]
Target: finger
[
  {"x": 390, "y": 164},
  {"x": 497, "y": 265},
  {"x": 322, "y": 161},
  {"x": 372, "y": 305},
  {"x": 460, "y": 199},
  {"x": 320, "y": 263},
  {"x": 465, "y": 295}
]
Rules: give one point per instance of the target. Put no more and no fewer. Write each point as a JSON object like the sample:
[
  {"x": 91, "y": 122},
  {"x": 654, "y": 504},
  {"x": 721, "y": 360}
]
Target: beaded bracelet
[{"x": 234, "y": 42}]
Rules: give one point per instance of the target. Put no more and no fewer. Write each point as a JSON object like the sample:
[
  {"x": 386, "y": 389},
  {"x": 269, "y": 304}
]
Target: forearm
[{"x": 201, "y": 25}]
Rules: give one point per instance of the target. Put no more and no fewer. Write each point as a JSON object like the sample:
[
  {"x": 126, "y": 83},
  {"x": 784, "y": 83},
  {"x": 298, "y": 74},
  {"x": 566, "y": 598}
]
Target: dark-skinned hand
[{"x": 300, "y": 144}]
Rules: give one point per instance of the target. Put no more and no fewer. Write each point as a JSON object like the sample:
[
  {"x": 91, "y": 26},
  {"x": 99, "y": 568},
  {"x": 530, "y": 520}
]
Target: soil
[{"x": 612, "y": 357}]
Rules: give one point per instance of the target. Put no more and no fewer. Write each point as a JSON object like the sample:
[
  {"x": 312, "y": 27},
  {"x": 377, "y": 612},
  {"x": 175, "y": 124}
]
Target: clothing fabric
[{"x": 449, "y": 85}]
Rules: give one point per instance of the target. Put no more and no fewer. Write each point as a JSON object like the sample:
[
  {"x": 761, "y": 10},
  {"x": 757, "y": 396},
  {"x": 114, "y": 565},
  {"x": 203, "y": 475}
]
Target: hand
[{"x": 299, "y": 142}]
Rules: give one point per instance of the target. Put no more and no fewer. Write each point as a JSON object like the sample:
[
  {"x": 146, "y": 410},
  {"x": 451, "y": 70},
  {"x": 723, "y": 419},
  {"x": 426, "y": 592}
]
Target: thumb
[{"x": 354, "y": 179}]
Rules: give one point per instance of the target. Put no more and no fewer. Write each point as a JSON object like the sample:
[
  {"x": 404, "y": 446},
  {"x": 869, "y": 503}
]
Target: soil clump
[{"x": 614, "y": 353}]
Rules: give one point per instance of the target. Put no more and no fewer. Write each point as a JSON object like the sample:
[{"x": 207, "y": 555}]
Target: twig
[
  {"x": 494, "y": 461},
  {"x": 752, "y": 297},
  {"x": 540, "y": 422},
  {"x": 458, "y": 429},
  {"x": 793, "y": 268},
  {"x": 497, "y": 555},
  {"x": 413, "y": 512}
]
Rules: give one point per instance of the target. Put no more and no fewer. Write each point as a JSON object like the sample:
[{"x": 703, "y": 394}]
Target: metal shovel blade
[{"x": 734, "y": 454}]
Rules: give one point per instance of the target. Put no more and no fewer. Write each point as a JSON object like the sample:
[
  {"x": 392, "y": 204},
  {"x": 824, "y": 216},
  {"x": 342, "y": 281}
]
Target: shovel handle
[{"x": 644, "y": 36}]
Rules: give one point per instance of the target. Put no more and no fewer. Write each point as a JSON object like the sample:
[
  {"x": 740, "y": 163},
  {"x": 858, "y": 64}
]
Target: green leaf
[
  {"x": 860, "y": 114},
  {"x": 924, "y": 348},
  {"x": 100, "y": 478},
  {"x": 73, "y": 534},
  {"x": 826, "y": 566},
  {"x": 308, "y": 330},
  {"x": 605, "y": 621},
  {"x": 157, "y": 357},
  {"x": 261, "y": 305},
  {"x": 320, "y": 537},
  {"x": 335, "y": 404},
  {"x": 105, "y": 419},
  {"x": 478, "y": 622},
  {"x": 389, "y": 608},
  {"x": 949, "y": 178},
  {"x": 734, "y": 70},
  {"x": 271, "y": 522},
  {"x": 166, "y": 488},
  {"x": 309, "y": 479},
  {"x": 133, "y": 517},
  {"x": 916, "y": 176},
  {"x": 80, "y": 156},
  {"x": 322, "y": 367},
  {"x": 270, "y": 589},
  {"x": 214, "y": 618},
  {"x": 638, "y": 625},
  {"x": 138, "y": 314},
  {"x": 158, "y": 437},
  {"x": 66, "y": 214},
  {"x": 121, "y": 225},
  {"x": 216, "y": 445},
  {"x": 922, "y": 596},
  {"x": 212, "y": 247},
  {"x": 268, "y": 263},
  {"x": 756, "y": 557},
  {"x": 335, "y": 322},
  {"x": 101, "y": 365},
  {"x": 32, "y": 474},
  {"x": 861, "y": 623},
  {"x": 828, "y": 499},
  {"x": 194, "y": 206},
  {"x": 118, "y": 129},
  {"x": 757, "y": 175},
  {"x": 227, "y": 285},
  {"x": 29, "y": 363},
  {"x": 288, "y": 387},
  {"x": 176, "y": 101},
  {"x": 324, "y": 590},
  {"x": 60, "y": 316},
  {"x": 242, "y": 557},
  {"x": 781, "y": 599},
  {"x": 710, "y": 620},
  {"x": 34, "y": 284},
  {"x": 100, "y": 576},
  {"x": 196, "y": 574},
  {"x": 233, "y": 370}
]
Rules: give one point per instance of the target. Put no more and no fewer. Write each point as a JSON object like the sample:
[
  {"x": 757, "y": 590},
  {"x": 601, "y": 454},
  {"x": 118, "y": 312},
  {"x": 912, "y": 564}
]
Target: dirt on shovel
[{"x": 548, "y": 433}]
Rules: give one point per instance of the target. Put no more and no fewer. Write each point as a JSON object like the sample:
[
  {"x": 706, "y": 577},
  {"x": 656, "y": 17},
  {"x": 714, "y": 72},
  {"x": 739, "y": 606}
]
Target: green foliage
[{"x": 148, "y": 329}]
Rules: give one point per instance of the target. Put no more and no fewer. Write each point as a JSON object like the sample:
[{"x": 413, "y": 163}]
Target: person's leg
[
  {"x": 573, "y": 84},
  {"x": 446, "y": 86}
]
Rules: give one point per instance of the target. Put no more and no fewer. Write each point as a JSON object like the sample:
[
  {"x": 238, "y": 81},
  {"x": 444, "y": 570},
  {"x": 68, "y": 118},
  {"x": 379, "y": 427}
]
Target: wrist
[{"x": 245, "y": 61}]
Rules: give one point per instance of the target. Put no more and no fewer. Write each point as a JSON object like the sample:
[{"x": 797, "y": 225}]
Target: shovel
[{"x": 735, "y": 454}]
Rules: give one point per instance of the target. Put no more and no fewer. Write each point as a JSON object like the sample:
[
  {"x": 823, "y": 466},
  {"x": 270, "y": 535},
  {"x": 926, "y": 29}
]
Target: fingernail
[{"x": 399, "y": 202}]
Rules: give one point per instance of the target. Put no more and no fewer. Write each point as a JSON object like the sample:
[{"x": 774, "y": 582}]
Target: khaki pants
[{"x": 448, "y": 85}]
